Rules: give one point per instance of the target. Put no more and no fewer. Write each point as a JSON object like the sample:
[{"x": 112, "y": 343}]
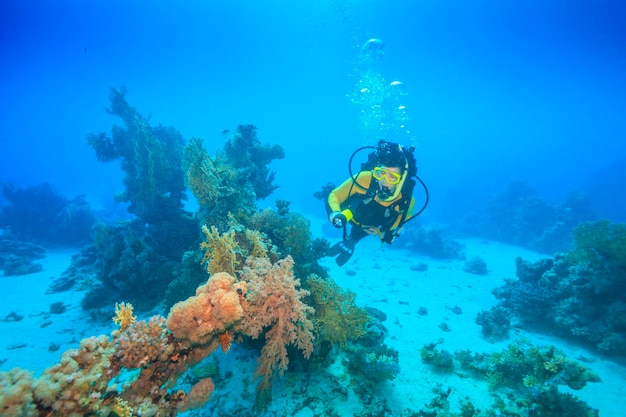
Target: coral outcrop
[
  {"x": 519, "y": 216},
  {"x": 580, "y": 294},
  {"x": 529, "y": 376},
  {"x": 138, "y": 258},
  {"x": 41, "y": 214}
]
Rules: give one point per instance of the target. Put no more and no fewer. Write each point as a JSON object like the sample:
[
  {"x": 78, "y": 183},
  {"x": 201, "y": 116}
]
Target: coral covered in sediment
[{"x": 19, "y": 258}]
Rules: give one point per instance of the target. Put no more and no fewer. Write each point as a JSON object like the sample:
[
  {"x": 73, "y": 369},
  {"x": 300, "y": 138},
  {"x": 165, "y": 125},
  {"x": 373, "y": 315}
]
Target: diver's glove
[{"x": 338, "y": 219}]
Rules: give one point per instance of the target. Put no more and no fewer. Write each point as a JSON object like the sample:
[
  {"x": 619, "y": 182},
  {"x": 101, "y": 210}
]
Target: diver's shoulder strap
[{"x": 405, "y": 202}]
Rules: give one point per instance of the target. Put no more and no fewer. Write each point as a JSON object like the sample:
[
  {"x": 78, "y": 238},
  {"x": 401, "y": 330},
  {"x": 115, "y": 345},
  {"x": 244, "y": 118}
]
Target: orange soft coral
[
  {"x": 198, "y": 395},
  {"x": 215, "y": 308},
  {"x": 142, "y": 343}
]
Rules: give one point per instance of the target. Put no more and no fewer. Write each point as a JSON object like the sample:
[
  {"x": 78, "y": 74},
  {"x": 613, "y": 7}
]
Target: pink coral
[{"x": 274, "y": 304}]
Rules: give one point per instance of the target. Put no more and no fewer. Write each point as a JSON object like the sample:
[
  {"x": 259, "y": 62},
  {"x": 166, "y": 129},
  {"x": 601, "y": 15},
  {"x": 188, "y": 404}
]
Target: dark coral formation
[
  {"x": 247, "y": 155},
  {"x": 580, "y": 295},
  {"x": 495, "y": 322},
  {"x": 476, "y": 265},
  {"x": 519, "y": 216},
  {"x": 150, "y": 156},
  {"x": 40, "y": 213},
  {"x": 431, "y": 241},
  {"x": 140, "y": 260},
  {"x": 18, "y": 258}
]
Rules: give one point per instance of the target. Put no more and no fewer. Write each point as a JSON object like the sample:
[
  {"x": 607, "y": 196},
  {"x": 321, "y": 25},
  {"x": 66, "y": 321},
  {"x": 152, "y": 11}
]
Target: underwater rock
[{"x": 476, "y": 265}]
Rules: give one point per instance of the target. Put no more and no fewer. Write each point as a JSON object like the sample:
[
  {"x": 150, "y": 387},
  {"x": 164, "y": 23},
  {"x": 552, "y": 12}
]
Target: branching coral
[
  {"x": 245, "y": 151},
  {"x": 219, "y": 250},
  {"x": 273, "y": 306},
  {"x": 151, "y": 356},
  {"x": 522, "y": 365},
  {"x": 200, "y": 174},
  {"x": 124, "y": 315},
  {"x": 602, "y": 246},
  {"x": 339, "y": 318},
  {"x": 151, "y": 157}
]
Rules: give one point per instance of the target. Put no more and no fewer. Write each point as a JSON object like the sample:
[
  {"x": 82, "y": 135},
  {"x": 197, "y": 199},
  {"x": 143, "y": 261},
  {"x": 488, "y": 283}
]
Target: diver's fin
[{"x": 345, "y": 249}]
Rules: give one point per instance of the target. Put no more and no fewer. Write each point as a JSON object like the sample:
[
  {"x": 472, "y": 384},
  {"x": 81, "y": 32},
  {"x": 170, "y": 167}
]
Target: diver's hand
[{"x": 337, "y": 219}]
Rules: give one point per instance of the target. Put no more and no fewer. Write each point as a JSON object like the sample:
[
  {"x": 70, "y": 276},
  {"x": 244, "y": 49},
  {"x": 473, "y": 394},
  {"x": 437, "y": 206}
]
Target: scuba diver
[{"x": 378, "y": 200}]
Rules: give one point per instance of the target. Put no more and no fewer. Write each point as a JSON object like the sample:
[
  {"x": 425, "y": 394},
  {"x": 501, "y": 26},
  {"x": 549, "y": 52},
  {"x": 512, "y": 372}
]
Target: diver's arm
[{"x": 340, "y": 194}]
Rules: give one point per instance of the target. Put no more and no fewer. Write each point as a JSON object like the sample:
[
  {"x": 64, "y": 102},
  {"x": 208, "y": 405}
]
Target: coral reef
[
  {"x": 439, "y": 358},
  {"x": 201, "y": 176},
  {"x": 131, "y": 265},
  {"x": 519, "y": 216},
  {"x": 601, "y": 248},
  {"x": 193, "y": 274},
  {"x": 246, "y": 153},
  {"x": 495, "y": 322},
  {"x": 338, "y": 318},
  {"x": 372, "y": 366},
  {"x": 138, "y": 258},
  {"x": 218, "y": 186},
  {"x": 430, "y": 241},
  {"x": 580, "y": 294},
  {"x": 133, "y": 371},
  {"x": 266, "y": 301},
  {"x": 274, "y": 308},
  {"x": 291, "y": 234},
  {"x": 151, "y": 158},
  {"x": 529, "y": 375},
  {"x": 18, "y": 258},
  {"x": 476, "y": 265},
  {"x": 369, "y": 362},
  {"x": 40, "y": 213},
  {"x": 80, "y": 274},
  {"x": 234, "y": 180}
]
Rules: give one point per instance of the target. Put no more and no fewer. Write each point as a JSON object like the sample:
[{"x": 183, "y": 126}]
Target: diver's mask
[{"x": 391, "y": 178}]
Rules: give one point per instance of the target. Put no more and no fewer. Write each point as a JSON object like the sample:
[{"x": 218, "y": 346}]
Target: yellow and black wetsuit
[{"x": 359, "y": 196}]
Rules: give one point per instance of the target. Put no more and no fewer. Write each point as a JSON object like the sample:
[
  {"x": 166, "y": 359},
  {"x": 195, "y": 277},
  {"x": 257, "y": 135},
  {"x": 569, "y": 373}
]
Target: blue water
[
  {"x": 488, "y": 91},
  {"x": 494, "y": 91}
]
